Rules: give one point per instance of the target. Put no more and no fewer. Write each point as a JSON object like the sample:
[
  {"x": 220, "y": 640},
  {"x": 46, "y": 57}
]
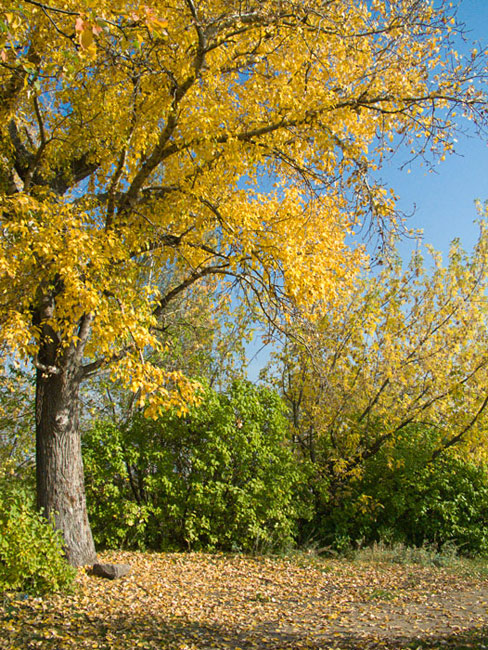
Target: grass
[{"x": 429, "y": 556}]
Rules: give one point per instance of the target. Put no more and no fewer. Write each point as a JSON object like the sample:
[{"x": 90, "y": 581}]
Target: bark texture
[{"x": 59, "y": 463}]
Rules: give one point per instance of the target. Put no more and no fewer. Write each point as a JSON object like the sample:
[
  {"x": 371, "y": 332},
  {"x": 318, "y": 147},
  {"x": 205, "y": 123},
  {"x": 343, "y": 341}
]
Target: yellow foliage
[
  {"x": 405, "y": 354},
  {"x": 212, "y": 138}
]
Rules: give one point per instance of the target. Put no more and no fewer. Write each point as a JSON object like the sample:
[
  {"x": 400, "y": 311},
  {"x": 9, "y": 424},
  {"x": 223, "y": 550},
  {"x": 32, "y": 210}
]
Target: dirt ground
[{"x": 200, "y": 601}]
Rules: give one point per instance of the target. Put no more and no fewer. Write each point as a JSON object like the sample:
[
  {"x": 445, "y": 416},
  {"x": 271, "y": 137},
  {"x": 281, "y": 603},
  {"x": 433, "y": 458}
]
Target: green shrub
[
  {"x": 402, "y": 499},
  {"x": 221, "y": 477},
  {"x": 31, "y": 554},
  {"x": 449, "y": 503}
]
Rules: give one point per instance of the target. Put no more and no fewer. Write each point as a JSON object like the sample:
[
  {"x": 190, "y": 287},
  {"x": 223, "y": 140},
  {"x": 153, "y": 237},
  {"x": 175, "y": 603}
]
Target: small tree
[{"x": 403, "y": 359}]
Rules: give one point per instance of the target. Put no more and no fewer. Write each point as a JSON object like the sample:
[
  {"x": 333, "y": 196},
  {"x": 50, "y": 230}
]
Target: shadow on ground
[{"x": 28, "y": 626}]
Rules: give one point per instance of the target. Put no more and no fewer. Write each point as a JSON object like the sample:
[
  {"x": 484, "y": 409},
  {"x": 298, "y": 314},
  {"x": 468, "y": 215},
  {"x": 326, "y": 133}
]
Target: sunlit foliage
[
  {"x": 393, "y": 383},
  {"x": 137, "y": 133},
  {"x": 223, "y": 477},
  {"x": 236, "y": 140}
]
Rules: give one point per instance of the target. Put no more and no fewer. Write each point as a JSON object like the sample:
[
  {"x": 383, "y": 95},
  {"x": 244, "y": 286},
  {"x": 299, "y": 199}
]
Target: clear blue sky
[{"x": 443, "y": 202}]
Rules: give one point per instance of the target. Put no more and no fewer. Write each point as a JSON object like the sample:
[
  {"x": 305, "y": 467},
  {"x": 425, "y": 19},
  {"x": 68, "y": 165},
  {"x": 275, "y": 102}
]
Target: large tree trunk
[{"x": 59, "y": 469}]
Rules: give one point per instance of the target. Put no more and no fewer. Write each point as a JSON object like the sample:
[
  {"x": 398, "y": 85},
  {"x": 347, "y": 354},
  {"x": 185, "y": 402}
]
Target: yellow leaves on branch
[
  {"x": 85, "y": 36},
  {"x": 46, "y": 243},
  {"x": 406, "y": 347},
  {"x": 145, "y": 147},
  {"x": 86, "y": 30},
  {"x": 149, "y": 16},
  {"x": 156, "y": 387}
]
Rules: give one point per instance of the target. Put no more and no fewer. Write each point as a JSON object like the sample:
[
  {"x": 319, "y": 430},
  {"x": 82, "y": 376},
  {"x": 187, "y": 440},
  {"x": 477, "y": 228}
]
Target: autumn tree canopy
[
  {"x": 229, "y": 139},
  {"x": 406, "y": 355}
]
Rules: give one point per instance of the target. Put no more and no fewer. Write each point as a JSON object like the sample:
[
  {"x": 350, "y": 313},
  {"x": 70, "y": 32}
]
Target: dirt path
[
  {"x": 197, "y": 602},
  {"x": 435, "y": 616}
]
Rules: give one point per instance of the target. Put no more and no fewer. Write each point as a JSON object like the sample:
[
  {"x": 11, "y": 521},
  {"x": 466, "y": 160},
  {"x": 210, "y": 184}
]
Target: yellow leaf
[{"x": 85, "y": 39}]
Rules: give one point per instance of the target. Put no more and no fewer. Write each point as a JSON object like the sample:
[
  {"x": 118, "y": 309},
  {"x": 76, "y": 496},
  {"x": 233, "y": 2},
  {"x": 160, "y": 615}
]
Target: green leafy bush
[
  {"x": 402, "y": 498},
  {"x": 449, "y": 502},
  {"x": 222, "y": 477},
  {"x": 31, "y": 554}
]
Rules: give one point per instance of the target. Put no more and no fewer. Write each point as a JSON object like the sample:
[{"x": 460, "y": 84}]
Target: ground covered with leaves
[{"x": 196, "y": 601}]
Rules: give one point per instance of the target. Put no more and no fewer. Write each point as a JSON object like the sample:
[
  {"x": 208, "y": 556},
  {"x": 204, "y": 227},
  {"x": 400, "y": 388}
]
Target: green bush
[
  {"x": 221, "y": 477},
  {"x": 401, "y": 498},
  {"x": 449, "y": 503},
  {"x": 31, "y": 554}
]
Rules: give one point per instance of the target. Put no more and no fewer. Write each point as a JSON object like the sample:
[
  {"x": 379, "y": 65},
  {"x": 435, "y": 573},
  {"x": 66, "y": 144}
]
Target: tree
[
  {"x": 399, "y": 372},
  {"x": 135, "y": 138}
]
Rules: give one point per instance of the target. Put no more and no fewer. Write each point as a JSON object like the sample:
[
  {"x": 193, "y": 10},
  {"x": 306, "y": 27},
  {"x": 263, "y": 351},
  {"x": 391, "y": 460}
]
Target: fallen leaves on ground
[{"x": 197, "y": 601}]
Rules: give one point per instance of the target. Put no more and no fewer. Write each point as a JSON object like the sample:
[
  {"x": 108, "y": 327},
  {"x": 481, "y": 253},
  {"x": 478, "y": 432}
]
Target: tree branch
[
  {"x": 221, "y": 269},
  {"x": 457, "y": 438}
]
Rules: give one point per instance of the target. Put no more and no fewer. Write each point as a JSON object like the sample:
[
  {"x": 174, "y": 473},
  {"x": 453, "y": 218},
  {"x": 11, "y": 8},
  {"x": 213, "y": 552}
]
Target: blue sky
[{"x": 441, "y": 203}]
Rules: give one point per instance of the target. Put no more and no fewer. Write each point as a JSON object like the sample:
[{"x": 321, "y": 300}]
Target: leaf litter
[{"x": 200, "y": 601}]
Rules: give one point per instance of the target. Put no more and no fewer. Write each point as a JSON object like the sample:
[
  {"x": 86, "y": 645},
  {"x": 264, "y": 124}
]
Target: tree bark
[{"x": 59, "y": 463}]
